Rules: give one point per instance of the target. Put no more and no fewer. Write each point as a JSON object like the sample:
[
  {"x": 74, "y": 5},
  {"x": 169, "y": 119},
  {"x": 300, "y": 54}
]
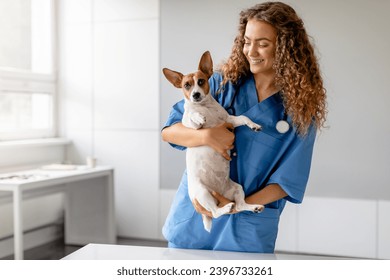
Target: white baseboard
[
  {"x": 384, "y": 230},
  {"x": 33, "y": 238}
]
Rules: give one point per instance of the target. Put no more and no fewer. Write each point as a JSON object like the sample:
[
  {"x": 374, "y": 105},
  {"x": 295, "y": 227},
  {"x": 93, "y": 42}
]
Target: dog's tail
[{"x": 207, "y": 222}]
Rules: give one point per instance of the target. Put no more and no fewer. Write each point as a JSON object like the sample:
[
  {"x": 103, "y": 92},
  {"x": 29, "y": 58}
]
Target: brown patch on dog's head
[{"x": 193, "y": 83}]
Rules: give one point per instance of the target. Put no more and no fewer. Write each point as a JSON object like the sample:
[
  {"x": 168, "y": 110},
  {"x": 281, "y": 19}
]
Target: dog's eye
[
  {"x": 187, "y": 86},
  {"x": 201, "y": 82}
]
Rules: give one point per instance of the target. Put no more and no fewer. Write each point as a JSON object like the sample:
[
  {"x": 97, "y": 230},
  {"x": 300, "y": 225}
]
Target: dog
[{"x": 208, "y": 170}]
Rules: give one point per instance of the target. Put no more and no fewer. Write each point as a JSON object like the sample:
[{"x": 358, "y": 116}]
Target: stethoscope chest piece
[{"x": 282, "y": 126}]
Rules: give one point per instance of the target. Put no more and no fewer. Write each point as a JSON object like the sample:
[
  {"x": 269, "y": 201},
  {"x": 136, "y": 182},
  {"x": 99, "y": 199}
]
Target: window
[{"x": 27, "y": 74}]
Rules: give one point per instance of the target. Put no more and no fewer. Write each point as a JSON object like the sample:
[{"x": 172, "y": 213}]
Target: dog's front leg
[
  {"x": 197, "y": 120},
  {"x": 243, "y": 120}
]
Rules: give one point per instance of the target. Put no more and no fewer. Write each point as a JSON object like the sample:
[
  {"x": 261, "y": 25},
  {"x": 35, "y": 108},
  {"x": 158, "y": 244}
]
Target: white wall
[
  {"x": 108, "y": 75},
  {"x": 352, "y": 157}
]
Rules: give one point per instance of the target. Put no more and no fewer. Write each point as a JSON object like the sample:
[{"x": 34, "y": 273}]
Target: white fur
[{"x": 208, "y": 170}]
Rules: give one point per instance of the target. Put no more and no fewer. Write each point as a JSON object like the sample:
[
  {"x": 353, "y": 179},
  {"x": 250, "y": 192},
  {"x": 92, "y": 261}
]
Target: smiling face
[{"x": 259, "y": 46}]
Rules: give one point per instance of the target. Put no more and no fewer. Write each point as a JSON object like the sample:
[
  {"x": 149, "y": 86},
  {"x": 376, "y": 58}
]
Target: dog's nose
[{"x": 196, "y": 96}]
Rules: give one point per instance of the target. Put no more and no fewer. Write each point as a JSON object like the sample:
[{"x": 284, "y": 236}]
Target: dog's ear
[
  {"x": 206, "y": 64},
  {"x": 174, "y": 77}
]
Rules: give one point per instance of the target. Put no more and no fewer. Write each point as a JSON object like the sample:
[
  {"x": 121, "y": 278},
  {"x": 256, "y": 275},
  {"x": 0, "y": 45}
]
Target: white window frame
[{"x": 14, "y": 80}]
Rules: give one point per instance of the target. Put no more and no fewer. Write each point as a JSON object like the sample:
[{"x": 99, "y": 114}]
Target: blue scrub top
[{"x": 261, "y": 158}]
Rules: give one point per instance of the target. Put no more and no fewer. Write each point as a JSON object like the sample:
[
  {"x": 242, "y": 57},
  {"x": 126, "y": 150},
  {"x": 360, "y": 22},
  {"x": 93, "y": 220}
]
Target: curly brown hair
[{"x": 296, "y": 67}]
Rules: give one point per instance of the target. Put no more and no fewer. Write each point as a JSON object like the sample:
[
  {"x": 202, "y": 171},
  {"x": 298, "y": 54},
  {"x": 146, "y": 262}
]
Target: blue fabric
[{"x": 261, "y": 158}]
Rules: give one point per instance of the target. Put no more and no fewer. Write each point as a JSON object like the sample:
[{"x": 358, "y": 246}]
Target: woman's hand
[
  {"x": 220, "y": 138},
  {"x": 222, "y": 201}
]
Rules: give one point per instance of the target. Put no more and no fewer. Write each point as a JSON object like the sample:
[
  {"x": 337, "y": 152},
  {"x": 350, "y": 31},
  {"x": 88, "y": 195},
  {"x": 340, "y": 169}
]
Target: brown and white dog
[{"x": 208, "y": 170}]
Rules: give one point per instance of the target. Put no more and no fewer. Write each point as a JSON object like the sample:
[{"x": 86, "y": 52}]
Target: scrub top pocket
[
  {"x": 265, "y": 148},
  {"x": 258, "y": 231},
  {"x": 260, "y": 154},
  {"x": 183, "y": 226},
  {"x": 181, "y": 213},
  {"x": 182, "y": 203},
  {"x": 185, "y": 213}
]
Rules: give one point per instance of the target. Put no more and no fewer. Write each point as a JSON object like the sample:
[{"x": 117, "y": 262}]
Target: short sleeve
[
  {"x": 214, "y": 83},
  {"x": 292, "y": 173}
]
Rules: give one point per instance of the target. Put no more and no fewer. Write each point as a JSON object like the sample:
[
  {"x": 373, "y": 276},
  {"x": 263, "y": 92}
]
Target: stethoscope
[{"x": 281, "y": 126}]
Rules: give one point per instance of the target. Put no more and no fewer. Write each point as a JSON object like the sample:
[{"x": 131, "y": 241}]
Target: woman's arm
[
  {"x": 270, "y": 193},
  {"x": 219, "y": 138}
]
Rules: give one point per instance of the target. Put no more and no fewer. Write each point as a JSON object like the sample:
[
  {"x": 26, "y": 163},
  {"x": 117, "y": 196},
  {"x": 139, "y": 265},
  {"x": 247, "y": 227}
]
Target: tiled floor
[{"x": 57, "y": 250}]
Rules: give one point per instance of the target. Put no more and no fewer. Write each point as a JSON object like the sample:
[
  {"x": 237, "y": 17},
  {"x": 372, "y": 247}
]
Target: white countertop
[
  {"x": 125, "y": 252},
  {"x": 47, "y": 174}
]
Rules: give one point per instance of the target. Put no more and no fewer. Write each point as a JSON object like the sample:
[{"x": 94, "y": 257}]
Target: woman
[{"x": 272, "y": 76}]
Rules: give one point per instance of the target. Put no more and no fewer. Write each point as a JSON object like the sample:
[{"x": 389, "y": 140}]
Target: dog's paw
[
  {"x": 198, "y": 119},
  {"x": 258, "y": 209},
  {"x": 255, "y": 127}
]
